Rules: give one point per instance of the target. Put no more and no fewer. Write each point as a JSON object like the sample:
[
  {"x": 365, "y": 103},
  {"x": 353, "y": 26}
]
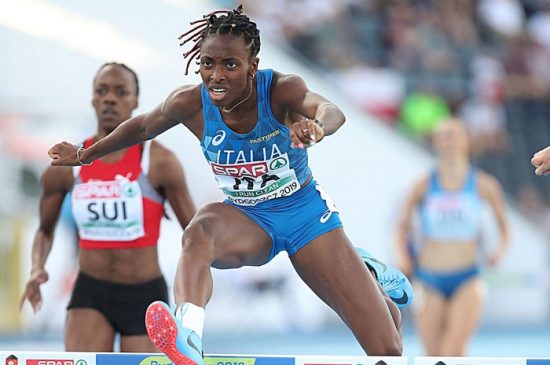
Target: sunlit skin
[{"x": 446, "y": 325}]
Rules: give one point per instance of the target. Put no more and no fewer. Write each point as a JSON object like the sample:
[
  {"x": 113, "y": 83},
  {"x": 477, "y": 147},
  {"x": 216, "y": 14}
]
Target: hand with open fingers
[
  {"x": 306, "y": 133},
  {"x": 64, "y": 154},
  {"x": 32, "y": 291},
  {"x": 541, "y": 160}
]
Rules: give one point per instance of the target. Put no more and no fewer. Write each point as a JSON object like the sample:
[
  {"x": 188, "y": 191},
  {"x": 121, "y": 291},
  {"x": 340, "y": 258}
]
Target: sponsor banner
[
  {"x": 351, "y": 360},
  {"x": 146, "y": 359},
  {"x": 46, "y": 358},
  {"x": 469, "y": 361}
]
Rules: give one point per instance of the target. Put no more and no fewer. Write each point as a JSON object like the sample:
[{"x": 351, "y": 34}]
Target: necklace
[{"x": 225, "y": 110}]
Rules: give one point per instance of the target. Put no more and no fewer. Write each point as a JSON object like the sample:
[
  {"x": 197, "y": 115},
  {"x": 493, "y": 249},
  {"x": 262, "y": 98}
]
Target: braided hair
[
  {"x": 232, "y": 22},
  {"x": 124, "y": 67}
]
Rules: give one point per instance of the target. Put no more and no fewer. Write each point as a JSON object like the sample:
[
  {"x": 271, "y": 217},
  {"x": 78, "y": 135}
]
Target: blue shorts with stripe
[{"x": 294, "y": 221}]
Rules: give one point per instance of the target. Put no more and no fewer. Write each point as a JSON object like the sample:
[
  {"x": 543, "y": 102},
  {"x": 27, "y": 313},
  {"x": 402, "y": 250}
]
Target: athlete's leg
[
  {"x": 430, "y": 313},
  {"x": 331, "y": 267},
  {"x": 86, "y": 329},
  {"x": 137, "y": 343},
  {"x": 464, "y": 311},
  {"x": 221, "y": 236}
]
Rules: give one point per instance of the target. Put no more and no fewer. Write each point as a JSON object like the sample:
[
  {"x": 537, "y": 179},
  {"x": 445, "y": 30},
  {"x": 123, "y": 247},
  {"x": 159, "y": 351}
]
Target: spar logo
[
  {"x": 56, "y": 362},
  {"x": 253, "y": 169},
  {"x": 128, "y": 190},
  {"x": 278, "y": 163},
  {"x": 11, "y": 360},
  {"x": 97, "y": 190}
]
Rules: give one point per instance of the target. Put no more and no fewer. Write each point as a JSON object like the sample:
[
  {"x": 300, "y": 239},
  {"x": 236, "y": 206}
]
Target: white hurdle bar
[{"x": 91, "y": 358}]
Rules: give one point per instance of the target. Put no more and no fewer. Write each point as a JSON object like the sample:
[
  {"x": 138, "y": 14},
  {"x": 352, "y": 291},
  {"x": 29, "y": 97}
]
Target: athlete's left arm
[
  {"x": 166, "y": 174},
  {"x": 491, "y": 191},
  {"x": 292, "y": 91}
]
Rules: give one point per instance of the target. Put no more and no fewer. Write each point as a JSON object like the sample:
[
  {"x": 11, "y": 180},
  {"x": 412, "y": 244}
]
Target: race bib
[
  {"x": 108, "y": 210},
  {"x": 252, "y": 183}
]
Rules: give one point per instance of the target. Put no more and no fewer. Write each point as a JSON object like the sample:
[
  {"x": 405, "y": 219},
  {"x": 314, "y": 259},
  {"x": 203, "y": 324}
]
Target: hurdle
[{"x": 91, "y": 358}]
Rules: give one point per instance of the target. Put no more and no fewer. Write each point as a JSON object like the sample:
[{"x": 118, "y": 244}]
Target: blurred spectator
[
  {"x": 483, "y": 112},
  {"x": 384, "y": 54},
  {"x": 421, "y": 112}
]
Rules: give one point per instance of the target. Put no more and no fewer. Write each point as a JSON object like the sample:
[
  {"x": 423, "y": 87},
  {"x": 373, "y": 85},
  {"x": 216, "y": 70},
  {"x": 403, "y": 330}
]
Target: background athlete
[
  {"x": 257, "y": 152},
  {"x": 447, "y": 267},
  {"x": 118, "y": 203}
]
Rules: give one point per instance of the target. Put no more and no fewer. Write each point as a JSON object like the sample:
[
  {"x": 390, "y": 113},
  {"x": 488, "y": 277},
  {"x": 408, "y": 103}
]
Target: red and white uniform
[{"x": 114, "y": 204}]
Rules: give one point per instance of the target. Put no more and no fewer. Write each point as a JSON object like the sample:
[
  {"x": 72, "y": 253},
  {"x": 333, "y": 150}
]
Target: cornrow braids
[
  {"x": 232, "y": 22},
  {"x": 124, "y": 67}
]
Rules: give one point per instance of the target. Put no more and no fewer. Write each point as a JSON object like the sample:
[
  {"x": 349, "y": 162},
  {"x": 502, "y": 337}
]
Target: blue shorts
[
  {"x": 294, "y": 221},
  {"x": 447, "y": 283}
]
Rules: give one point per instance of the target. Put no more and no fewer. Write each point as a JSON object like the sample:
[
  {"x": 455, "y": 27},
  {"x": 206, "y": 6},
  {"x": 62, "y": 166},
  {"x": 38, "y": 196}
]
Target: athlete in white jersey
[{"x": 257, "y": 152}]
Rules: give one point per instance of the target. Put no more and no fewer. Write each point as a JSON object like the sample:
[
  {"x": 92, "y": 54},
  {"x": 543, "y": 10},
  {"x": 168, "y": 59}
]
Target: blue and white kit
[{"x": 262, "y": 175}]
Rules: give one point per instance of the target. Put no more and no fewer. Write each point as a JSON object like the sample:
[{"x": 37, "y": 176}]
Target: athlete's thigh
[
  {"x": 331, "y": 267},
  {"x": 87, "y": 329},
  {"x": 430, "y": 312},
  {"x": 463, "y": 316},
  {"x": 238, "y": 239},
  {"x": 137, "y": 343}
]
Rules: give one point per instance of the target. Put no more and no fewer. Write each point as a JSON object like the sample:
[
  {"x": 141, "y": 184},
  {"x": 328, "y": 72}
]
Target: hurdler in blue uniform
[
  {"x": 246, "y": 120},
  {"x": 447, "y": 263}
]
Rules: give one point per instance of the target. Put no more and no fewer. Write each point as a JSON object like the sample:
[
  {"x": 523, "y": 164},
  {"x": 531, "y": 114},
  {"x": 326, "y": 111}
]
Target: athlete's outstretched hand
[
  {"x": 32, "y": 291},
  {"x": 306, "y": 133},
  {"x": 541, "y": 160},
  {"x": 64, "y": 154}
]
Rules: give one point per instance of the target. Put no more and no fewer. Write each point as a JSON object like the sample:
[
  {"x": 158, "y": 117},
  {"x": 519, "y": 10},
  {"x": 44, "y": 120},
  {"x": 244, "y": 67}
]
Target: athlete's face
[
  {"x": 115, "y": 97},
  {"x": 451, "y": 139},
  {"x": 226, "y": 68}
]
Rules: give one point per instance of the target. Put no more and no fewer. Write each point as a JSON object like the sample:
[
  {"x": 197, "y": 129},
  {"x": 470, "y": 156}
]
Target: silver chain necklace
[{"x": 225, "y": 110}]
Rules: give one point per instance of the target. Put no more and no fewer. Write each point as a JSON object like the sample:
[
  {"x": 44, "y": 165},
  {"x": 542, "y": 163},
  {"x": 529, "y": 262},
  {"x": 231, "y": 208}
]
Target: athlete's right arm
[
  {"x": 56, "y": 181},
  {"x": 178, "y": 107},
  {"x": 404, "y": 260}
]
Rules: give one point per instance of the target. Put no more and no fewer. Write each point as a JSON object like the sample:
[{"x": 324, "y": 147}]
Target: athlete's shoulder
[
  {"x": 183, "y": 102},
  {"x": 287, "y": 80},
  {"x": 162, "y": 159},
  {"x": 421, "y": 186},
  {"x": 487, "y": 183},
  {"x": 160, "y": 151},
  {"x": 287, "y": 87}
]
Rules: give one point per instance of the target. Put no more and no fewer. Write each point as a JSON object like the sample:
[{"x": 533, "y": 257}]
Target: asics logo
[
  {"x": 218, "y": 138},
  {"x": 401, "y": 300}
]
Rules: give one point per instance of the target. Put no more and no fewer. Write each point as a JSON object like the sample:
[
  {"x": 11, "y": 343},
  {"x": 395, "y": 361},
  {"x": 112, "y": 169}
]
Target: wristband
[{"x": 80, "y": 148}]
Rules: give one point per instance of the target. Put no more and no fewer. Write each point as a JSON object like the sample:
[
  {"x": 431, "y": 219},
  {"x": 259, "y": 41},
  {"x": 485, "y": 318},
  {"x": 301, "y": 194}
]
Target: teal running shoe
[
  {"x": 180, "y": 344},
  {"x": 393, "y": 281}
]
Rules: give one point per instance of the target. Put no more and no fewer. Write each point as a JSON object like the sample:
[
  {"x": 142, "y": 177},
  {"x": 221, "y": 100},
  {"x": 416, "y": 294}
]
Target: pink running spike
[{"x": 163, "y": 332}]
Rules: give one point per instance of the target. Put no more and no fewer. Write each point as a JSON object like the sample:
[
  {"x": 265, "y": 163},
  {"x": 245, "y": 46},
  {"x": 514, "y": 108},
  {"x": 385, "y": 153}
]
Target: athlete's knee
[{"x": 199, "y": 235}]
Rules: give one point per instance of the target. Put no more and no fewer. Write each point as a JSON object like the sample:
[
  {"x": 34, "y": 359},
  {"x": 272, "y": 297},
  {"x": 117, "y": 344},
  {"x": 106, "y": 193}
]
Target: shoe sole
[{"x": 163, "y": 332}]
